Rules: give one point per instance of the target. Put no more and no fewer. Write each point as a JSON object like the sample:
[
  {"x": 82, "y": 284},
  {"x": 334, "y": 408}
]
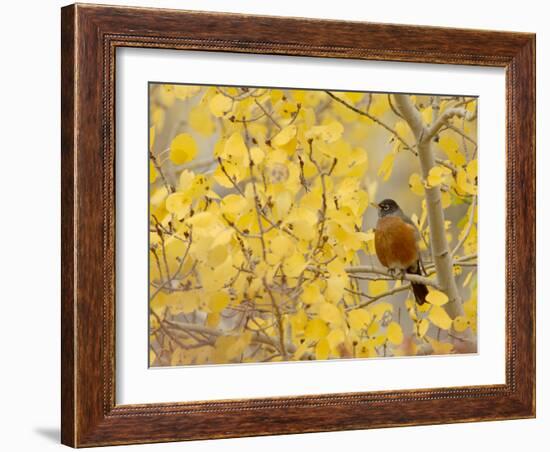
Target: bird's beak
[{"x": 373, "y": 204}]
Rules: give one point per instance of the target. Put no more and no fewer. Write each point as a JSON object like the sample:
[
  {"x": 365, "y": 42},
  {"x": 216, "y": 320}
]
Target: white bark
[{"x": 439, "y": 247}]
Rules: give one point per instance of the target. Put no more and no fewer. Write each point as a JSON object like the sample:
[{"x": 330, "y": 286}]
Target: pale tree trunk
[{"x": 439, "y": 247}]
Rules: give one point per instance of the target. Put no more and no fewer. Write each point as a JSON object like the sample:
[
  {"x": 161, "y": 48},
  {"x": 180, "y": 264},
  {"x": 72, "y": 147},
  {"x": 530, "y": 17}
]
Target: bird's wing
[
  {"x": 407, "y": 220},
  {"x": 418, "y": 237}
]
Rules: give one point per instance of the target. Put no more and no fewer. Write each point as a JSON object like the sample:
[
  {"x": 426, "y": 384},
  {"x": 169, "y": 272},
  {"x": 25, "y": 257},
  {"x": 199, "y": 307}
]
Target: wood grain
[{"x": 90, "y": 36}]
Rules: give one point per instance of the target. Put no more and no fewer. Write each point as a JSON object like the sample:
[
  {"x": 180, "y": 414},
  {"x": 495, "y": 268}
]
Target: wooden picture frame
[{"x": 90, "y": 36}]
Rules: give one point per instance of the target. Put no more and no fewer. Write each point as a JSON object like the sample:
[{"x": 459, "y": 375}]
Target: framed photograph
[{"x": 281, "y": 225}]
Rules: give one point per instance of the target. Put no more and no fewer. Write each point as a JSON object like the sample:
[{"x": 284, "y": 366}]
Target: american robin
[{"x": 396, "y": 242}]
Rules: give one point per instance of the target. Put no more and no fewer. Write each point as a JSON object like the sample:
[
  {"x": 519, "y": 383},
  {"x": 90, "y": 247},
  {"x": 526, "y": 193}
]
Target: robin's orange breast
[{"x": 395, "y": 243}]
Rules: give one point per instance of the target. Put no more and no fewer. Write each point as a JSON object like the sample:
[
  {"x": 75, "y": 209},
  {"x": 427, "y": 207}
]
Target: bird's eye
[{"x": 385, "y": 207}]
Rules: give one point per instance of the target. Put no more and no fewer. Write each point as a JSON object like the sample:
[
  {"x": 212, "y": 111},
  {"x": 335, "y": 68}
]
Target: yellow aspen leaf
[
  {"x": 299, "y": 321},
  {"x": 183, "y": 149},
  {"x": 437, "y": 176},
  {"x": 369, "y": 242},
  {"x": 282, "y": 204},
  {"x": 303, "y": 229},
  {"x": 379, "y": 309},
  {"x": 220, "y": 105},
  {"x": 294, "y": 265},
  {"x": 316, "y": 329},
  {"x": 439, "y": 317},
  {"x": 410, "y": 304},
  {"x": 213, "y": 319},
  {"x": 451, "y": 148},
  {"x": 359, "y": 319},
  {"x": 354, "y": 96},
  {"x": 311, "y": 294},
  {"x": 467, "y": 279},
  {"x": 416, "y": 184},
  {"x": 186, "y": 180},
  {"x": 436, "y": 297},
  {"x": 335, "y": 288},
  {"x": 157, "y": 117},
  {"x": 214, "y": 278},
  {"x": 203, "y": 220},
  {"x": 276, "y": 95},
  {"x": 464, "y": 182},
  {"x": 386, "y": 167},
  {"x": 335, "y": 338},
  {"x": 447, "y": 143},
  {"x": 379, "y": 104},
  {"x": 421, "y": 328},
  {"x": 445, "y": 199},
  {"x": 333, "y": 132},
  {"x": 152, "y": 173},
  {"x": 373, "y": 329},
  {"x": 394, "y": 333},
  {"x": 282, "y": 246},
  {"x": 223, "y": 238},
  {"x": 355, "y": 165},
  {"x": 377, "y": 287},
  {"x": 440, "y": 348},
  {"x": 284, "y": 136},
  {"x": 257, "y": 155},
  {"x": 218, "y": 301},
  {"x": 200, "y": 120},
  {"x": 179, "y": 204},
  {"x": 470, "y": 307},
  {"x": 328, "y": 133},
  {"x": 183, "y": 92},
  {"x": 460, "y": 323},
  {"x": 471, "y": 169},
  {"x": 167, "y": 95},
  {"x": 330, "y": 314},
  {"x": 233, "y": 204},
  {"x": 235, "y": 149},
  {"x": 162, "y": 301},
  {"x": 365, "y": 349},
  {"x": 427, "y": 114},
  {"x": 402, "y": 129},
  {"x": 322, "y": 349},
  {"x": 379, "y": 340},
  {"x": 337, "y": 267}
]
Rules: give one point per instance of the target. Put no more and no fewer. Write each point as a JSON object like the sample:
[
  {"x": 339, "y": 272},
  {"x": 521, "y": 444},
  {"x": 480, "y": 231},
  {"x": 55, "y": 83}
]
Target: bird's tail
[{"x": 420, "y": 290}]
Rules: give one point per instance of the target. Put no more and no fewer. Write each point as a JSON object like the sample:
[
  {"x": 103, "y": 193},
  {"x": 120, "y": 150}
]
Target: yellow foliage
[
  {"x": 259, "y": 206},
  {"x": 386, "y": 167},
  {"x": 220, "y": 105},
  {"x": 395, "y": 333},
  {"x": 436, "y": 297},
  {"x": 316, "y": 329},
  {"x": 183, "y": 149},
  {"x": 439, "y": 317}
]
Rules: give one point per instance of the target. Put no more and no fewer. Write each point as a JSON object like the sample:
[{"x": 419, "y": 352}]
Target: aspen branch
[
  {"x": 398, "y": 137},
  {"x": 439, "y": 247},
  {"x": 442, "y": 119},
  {"x": 358, "y": 269},
  {"x": 369, "y": 300}
]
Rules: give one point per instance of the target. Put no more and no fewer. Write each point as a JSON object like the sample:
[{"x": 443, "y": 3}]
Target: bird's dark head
[{"x": 387, "y": 207}]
